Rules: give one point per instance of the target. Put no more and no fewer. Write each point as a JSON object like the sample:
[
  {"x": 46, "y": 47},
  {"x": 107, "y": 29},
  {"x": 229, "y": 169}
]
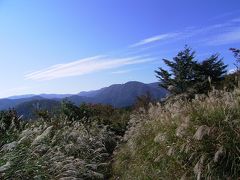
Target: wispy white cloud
[
  {"x": 85, "y": 66},
  {"x": 216, "y": 34},
  {"x": 155, "y": 39},
  {"x": 225, "y": 15},
  {"x": 228, "y": 37},
  {"x": 186, "y": 33}
]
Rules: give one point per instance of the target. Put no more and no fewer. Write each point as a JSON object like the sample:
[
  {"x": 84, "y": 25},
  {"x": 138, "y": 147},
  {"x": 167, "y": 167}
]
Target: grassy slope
[
  {"x": 59, "y": 149},
  {"x": 188, "y": 140}
]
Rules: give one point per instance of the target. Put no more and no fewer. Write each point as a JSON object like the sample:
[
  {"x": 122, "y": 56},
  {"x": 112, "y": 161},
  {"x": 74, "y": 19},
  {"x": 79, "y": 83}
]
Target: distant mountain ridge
[
  {"x": 29, "y": 109},
  {"x": 117, "y": 95},
  {"x": 11, "y": 103},
  {"x": 120, "y": 95},
  {"x": 47, "y": 96}
]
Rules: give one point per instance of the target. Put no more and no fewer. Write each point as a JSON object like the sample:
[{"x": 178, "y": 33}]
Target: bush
[
  {"x": 10, "y": 124},
  {"x": 198, "y": 139},
  {"x": 106, "y": 115}
]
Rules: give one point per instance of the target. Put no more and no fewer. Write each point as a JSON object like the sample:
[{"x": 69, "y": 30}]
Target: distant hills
[
  {"x": 117, "y": 95},
  {"x": 28, "y": 109},
  {"x": 11, "y": 103},
  {"x": 46, "y": 96}
]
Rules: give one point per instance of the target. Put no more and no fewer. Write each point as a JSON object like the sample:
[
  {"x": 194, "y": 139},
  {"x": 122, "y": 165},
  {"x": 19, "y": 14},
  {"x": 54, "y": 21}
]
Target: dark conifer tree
[
  {"x": 209, "y": 73},
  {"x": 186, "y": 75},
  {"x": 180, "y": 76}
]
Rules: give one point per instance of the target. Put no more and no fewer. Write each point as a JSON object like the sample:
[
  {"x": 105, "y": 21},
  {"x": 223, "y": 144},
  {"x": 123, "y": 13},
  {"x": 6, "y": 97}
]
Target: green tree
[
  {"x": 7, "y": 119},
  {"x": 186, "y": 75},
  {"x": 70, "y": 110},
  {"x": 75, "y": 113},
  {"x": 180, "y": 76},
  {"x": 209, "y": 73}
]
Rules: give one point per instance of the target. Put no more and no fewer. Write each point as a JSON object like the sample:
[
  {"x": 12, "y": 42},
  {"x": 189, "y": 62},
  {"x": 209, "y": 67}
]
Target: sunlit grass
[{"x": 197, "y": 139}]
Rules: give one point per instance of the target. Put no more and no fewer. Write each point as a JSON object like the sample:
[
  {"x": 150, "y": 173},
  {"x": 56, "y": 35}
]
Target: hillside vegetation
[
  {"x": 76, "y": 144},
  {"x": 117, "y": 95},
  {"x": 183, "y": 140},
  {"x": 180, "y": 139}
]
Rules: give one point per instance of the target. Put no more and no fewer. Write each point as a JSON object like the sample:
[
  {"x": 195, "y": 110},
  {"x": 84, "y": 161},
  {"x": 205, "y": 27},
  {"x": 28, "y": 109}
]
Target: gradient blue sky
[{"x": 67, "y": 46}]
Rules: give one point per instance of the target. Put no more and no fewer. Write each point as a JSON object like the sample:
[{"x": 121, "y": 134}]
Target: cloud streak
[
  {"x": 85, "y": 66},
  {"x": 224, "y": 15},
  {"x": 231, "y": 36},
  {"x": 216, "y": 34},
  {"x": 155, "y": 39}
]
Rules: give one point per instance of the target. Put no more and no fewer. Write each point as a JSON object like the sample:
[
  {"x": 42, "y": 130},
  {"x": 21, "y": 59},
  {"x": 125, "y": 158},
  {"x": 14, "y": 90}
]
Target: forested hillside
[{"x": 117, "y": 95}]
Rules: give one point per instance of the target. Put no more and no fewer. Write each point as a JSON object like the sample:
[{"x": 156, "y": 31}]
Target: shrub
[
  {"x": 10, "y": 124},
  {"x": 105, "y": 115}
]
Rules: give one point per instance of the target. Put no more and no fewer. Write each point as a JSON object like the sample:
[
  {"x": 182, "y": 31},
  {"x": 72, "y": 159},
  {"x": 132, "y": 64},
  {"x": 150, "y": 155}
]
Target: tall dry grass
[{"x": 183, "y": 140}]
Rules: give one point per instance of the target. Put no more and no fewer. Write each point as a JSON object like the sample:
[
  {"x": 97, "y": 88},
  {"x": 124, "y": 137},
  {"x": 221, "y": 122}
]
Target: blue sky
[{"x": 61, "y": 46}]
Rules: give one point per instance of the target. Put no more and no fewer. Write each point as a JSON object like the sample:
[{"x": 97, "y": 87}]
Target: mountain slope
[
  {"x": 11, "y": 103},
  {"x": 29, "y": 109},
  {"x": 117, "y": 95},
  {"x": 122, "y": 95},
  {"x": 47, "y": 96}
]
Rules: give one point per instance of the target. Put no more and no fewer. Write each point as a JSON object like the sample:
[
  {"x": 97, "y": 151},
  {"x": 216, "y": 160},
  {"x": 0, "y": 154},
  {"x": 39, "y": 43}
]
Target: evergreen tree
[
  {"x": 181, "y": 75},
  {"x": 209, "y": 73},
  {"x": 186, "y": 75}
]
